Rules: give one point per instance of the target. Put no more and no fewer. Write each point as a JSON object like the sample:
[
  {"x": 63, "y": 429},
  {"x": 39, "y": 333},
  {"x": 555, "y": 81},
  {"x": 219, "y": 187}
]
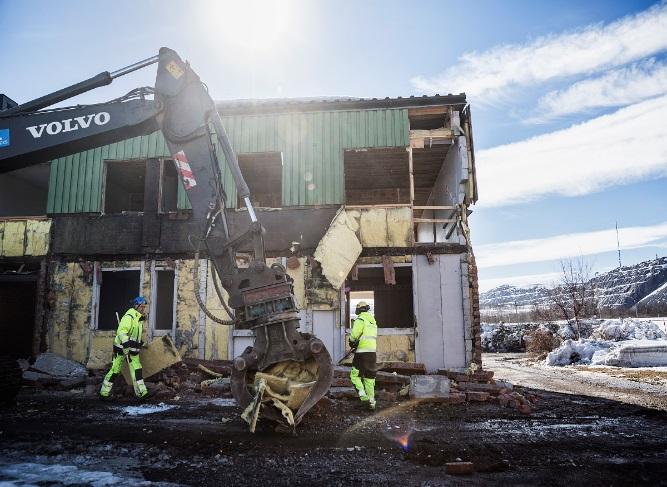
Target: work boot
[{"x": 371, "y": 405}]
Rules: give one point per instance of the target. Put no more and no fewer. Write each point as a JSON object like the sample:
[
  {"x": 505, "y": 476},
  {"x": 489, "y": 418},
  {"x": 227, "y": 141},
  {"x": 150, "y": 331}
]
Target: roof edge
[{"x": 286, "y": 105}]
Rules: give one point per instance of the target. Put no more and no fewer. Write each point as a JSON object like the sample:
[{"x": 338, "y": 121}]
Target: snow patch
[
  {"x": 147, "y": 409},
  {"x": 24, "y": 474},
  {"x": 581, "y": 352},
  {"x": 629, "y": 329}
]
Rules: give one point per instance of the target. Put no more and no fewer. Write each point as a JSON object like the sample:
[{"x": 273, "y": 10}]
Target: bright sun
[{"x": 253, "y": 25}]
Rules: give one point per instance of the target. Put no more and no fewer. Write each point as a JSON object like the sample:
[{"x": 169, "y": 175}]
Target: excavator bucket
[{"x": 283, "y": 375}]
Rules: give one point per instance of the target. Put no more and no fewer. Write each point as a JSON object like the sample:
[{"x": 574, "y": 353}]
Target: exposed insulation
[
  {"x": 217, "y": 335},
  {"x": 339, "y": 249},
  {"x": 69, "y": 328},
  {"x": 13, "y": 240},
  {"x": 385, "y": 227},
  {"x": 187, "y": 311},
  {"x": 37, "y": 237},
  {"x": 156, "y": 356},
  {"x": 399, "y": 227},
  {"x": 395, "y": 348},
  {"x": 101, "y": 345},
  {"x": 373, "y": 225}
]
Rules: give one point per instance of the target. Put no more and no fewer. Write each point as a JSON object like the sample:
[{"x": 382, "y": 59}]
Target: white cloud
[
  {"x": 627, "y": 146},
  {"x": 486, "y": 75},
  {"x": 619, "y": 87},
  {"x": 566, "y": 246}
]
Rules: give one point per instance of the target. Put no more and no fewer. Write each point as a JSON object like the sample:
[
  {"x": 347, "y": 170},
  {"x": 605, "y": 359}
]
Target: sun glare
[{"x": 257, "y": 26}]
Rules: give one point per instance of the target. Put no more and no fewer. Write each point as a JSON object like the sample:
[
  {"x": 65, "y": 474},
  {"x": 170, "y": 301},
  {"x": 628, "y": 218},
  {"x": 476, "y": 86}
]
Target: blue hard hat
[{"x": 138, "y": 300}]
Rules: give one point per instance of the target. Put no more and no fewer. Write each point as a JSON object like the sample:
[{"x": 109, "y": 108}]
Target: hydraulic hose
[{"x": 199, "y": 300}]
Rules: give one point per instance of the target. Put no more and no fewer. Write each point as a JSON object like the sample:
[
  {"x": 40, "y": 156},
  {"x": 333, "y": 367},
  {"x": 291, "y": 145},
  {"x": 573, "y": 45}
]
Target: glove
[
  {"x": 126, "y": 351},
  {"x": 353, "y": 343}
]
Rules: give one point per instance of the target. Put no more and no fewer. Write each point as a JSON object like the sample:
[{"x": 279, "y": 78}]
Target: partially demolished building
[{"x": 361, "y": 199}]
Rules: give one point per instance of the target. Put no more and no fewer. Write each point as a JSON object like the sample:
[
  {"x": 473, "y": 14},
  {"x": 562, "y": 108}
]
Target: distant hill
[{"x": 643, "y": 285}]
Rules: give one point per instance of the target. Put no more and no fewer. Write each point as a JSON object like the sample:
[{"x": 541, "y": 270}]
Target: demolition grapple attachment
[{"x": 286, "y": 372}]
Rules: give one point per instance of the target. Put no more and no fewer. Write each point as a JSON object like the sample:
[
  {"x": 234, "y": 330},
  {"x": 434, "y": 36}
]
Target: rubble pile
[
  {"x": 54, "y": 371},
  {"x": 389, "y": 386},
  {"x": 480, "y": 386},
  {"x": 445, "y": 387}
]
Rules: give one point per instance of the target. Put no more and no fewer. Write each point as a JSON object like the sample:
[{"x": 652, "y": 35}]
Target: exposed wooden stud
[
  {"x": 389, "y": 205},
  {"x": 412, "y": 176},
  {"x": 434, "y": 207},
  {"x": 434, "y": 110},
  {"x": 434, "y": 220}
]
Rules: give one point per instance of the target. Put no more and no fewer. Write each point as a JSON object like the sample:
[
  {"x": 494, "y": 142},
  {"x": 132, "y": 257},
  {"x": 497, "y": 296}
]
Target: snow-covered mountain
[
  {"x": 643, "y": 284},
  {"x": 507, "y": 295}
]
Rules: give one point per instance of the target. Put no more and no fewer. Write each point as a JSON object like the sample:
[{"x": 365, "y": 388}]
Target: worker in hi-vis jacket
[
  {"x": 126, "y": 347},
  {"x": 363, "y": 339}
]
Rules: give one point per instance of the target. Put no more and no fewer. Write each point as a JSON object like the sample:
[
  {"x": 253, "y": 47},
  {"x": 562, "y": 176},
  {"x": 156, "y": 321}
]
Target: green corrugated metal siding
[{"x": 312, "y": 145}]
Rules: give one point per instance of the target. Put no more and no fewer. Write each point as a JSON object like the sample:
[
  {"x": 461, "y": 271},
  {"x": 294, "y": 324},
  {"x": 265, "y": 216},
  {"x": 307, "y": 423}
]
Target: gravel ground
[{"x": 618, "y": 384}]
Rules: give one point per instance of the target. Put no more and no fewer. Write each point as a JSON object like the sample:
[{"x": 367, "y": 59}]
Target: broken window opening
[
  {"x": 377, "y": 176},
  {"x": 263, "y": 172},
  {"x": 391, "y": 304},
  {"x": 168, "y": 186},
  {"x": 429, "y": 118},
  {"x": 18, "y": 298},
  {"x": 124, "y": 186},
  {"x": 116, "y": 290},
  {"x": 164, "y": 304},
  {"x": 24, "y": 192}
]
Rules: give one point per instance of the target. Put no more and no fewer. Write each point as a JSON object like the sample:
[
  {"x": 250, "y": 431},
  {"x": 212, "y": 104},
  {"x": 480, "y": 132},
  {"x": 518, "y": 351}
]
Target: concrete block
[
  {"x": 56, "y": 365},
  {"x": 428, "y": 386},
  {"x": 477, "y": 387},
  {"x": 503, "y": 384}
]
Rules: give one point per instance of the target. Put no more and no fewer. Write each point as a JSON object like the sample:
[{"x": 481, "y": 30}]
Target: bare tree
[{"x": 574, "y": 295}]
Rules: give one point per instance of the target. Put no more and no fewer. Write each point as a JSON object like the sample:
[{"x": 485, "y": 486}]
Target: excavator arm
[{"x": 260, "y": 296}]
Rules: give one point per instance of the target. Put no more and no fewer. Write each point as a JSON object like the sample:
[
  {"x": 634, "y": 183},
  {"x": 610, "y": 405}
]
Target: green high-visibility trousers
[
  {"x": 363, "y": 374},
  {"x": 134, "y": 364}
]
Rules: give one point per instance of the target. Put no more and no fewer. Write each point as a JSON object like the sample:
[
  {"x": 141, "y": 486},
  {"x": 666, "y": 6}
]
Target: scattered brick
[
  {"x": 459, "y": 468},
  {"x": 477, "y": 396}
]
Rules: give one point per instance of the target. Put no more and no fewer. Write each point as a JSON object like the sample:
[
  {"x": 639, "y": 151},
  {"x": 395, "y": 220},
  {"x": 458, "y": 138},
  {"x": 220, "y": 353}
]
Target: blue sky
[{"x": 569, "y": 98}]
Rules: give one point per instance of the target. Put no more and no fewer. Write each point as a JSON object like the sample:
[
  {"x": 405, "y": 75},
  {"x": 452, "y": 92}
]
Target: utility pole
[{"x": 618, "y": 246}]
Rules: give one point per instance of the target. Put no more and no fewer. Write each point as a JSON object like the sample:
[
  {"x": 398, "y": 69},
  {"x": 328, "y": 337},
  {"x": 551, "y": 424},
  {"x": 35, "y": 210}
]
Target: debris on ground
[
  {"x": 480, "y": 386},
  {"x": 445, "y": 387},
  {"x": 156, "y": 356},
  {"x": 53, "y": 370},
  {"x": 404, "y": 368}
]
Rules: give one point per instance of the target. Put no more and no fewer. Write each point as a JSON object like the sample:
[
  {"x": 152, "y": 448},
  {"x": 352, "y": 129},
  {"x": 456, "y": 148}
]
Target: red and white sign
[{"x": 184, "y": 168}]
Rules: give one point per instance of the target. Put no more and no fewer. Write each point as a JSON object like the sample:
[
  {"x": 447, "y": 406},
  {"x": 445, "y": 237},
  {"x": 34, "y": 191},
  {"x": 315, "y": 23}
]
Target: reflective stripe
[{"x": 367, "y": 337}]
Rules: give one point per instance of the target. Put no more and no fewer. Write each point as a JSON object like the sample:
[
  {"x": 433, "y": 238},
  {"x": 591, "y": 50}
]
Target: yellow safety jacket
[
  {"x": 365, "y": 332},
  {"x": 130, "y": 329}
]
